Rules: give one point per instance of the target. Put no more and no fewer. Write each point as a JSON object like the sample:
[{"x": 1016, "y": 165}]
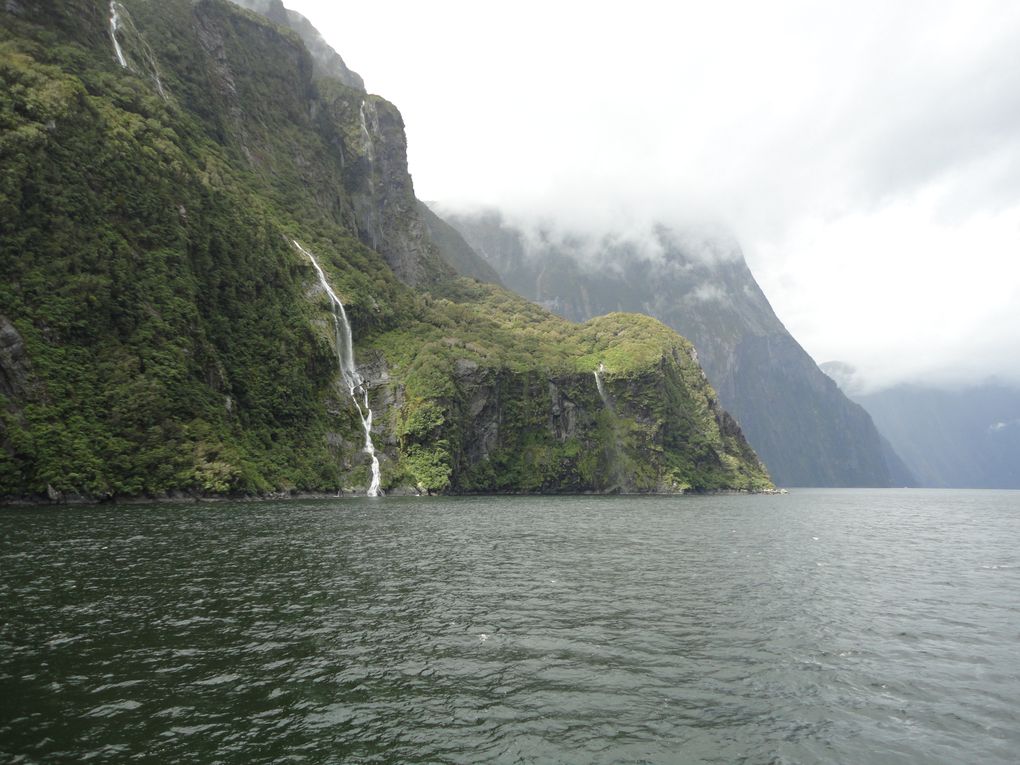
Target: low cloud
[
  {"x": 864, "y": 155},
  {"x": 1000, "y": 426},
  {"x": 707, "y": 293}
]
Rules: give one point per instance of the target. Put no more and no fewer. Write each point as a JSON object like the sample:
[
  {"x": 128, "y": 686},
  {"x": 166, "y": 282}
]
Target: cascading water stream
[
  {"x": 602, "y": 387},
  {"x": 352, "y": 379},
  {"x": 148, "y": 59},
  {"x": 615, "y": 452},
  {"x": 369, "y": 147},
  {"x": 114, "y": 26}
]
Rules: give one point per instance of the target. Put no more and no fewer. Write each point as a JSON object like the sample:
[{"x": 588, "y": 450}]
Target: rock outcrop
[{"x": 805, "y": 430}]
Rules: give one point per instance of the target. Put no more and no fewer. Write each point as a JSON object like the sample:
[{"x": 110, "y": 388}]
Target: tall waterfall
[
  {"x": 352, "y": 379},
  {"x": 614, "y": 451},
  {"x": 114, "y": 26}
]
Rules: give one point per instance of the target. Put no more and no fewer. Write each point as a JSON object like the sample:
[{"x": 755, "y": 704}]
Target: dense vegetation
[{"x": 159, "y": 333}]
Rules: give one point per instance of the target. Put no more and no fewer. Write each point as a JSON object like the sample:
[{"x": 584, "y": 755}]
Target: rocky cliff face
[
  {"x": 655, "y": 426},
  {"x": 367, "y": 134},
  {"x": 806, "y": 431},
  {"x": 379, "y": 187},
  {"x": 328, "y": 63},
  {"x": 357, "y": 165},
  {"x": 163, "y": 332}
]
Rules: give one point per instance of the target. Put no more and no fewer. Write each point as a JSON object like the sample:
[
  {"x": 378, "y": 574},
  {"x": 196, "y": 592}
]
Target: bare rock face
[
  {"x": 482, "y": 406},
  {"x": 365, "y": 133},
  {"x": 328, "y": 62},
  {"x": 562, "y": 414},
  {"x": 379, "y": 187}
]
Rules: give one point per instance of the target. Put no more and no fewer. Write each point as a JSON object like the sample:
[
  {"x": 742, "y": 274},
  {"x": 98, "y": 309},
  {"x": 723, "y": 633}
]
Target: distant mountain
[
  {"x": 806, "y": 431},
  {"x": 967, "y": 438},
  {"x": 455, "y": 251},
  {"x": 900, "y": 475}
]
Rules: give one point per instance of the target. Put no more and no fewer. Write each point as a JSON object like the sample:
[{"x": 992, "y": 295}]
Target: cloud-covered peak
[{"x": 864, "y": 155}]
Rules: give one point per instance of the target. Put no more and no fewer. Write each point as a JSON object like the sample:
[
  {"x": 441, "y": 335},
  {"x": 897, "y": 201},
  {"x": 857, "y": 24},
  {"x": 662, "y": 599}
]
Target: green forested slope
[{"x": 159, "y": 333}]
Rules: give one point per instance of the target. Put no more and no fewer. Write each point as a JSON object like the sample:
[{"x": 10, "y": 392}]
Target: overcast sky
[{"x": 866, "y": 154}]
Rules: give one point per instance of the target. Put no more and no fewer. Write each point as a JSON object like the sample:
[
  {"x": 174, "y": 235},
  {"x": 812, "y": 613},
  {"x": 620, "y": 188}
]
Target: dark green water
[{"x": 823, "y": 626}]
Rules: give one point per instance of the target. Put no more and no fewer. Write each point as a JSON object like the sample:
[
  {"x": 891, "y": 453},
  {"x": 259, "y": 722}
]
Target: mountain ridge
[
  {"x": 805, "y": 430},
  {"x": 965, "y": 437}
]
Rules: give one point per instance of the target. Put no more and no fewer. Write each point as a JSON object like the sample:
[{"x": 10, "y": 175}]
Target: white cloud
[
  {"x": 706, "y": 293},
  {"x": 904, "y": 294}
]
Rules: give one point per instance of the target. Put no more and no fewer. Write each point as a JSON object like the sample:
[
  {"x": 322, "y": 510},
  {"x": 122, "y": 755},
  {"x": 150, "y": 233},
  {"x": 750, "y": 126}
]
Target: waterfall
[
  {"x": 155, "y": 72},
  {"x": 352, "y": 379},
  {"x": 369, "y": 147},
  {"x": 602, "y": 386},
  {"x": 114, "y": 26},
  {"x": 143, "y": 50},
  {"x": 614, "y": 451}
]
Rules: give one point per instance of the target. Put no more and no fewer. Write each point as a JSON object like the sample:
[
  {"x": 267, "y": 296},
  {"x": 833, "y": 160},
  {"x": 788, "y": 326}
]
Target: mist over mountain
[
  {"x": 966, "y": 438},
  {"x": 865, "y": 154},
  {"x": 696, "y": 281},
  {"x": 328, "y": 62}
]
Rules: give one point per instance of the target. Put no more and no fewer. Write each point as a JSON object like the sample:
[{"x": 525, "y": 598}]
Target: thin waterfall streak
[
  {"x": 155, "y": 75},
  {"x": 616, "y": 466},
  {"x": 369, "y": 148},
  {"x": 145, "y": 51},
  {"x": 602, "y": 387},
  {"x": 114, "y": 26},
  {"x": 348, "y": 371}
]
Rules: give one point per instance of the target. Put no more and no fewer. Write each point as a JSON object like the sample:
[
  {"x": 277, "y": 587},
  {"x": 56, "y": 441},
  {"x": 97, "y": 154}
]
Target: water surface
[{"x": 822, "y": 626}]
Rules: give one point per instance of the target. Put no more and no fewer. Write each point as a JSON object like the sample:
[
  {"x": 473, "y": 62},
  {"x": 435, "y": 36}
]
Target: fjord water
[{"x": 822, "y": 626}]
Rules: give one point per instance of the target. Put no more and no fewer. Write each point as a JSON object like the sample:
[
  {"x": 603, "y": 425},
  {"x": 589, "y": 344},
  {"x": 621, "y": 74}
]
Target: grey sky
[{"x": 866, "y": 155}]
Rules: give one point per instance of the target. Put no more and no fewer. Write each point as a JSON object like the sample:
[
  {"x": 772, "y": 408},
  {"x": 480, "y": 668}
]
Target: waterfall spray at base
[
  {"x": 114, "y": 26},
  {"x": 349, "y": 373}
]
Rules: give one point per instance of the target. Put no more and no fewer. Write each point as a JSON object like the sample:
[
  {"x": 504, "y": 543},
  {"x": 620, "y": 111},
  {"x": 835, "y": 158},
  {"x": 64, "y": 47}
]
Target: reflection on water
[{"x": 840, "y": 626}]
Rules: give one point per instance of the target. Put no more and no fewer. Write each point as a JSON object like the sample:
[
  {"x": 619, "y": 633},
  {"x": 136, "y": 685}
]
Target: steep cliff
[
  {"x": 805, "y": 430},
  {"x": 455, "y": 250},
  {"x": 501, "y": 395},
  {"x": 166, "y": 165}
]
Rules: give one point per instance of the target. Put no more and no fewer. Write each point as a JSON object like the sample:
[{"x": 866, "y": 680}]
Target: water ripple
[{"x": 826, "y": 626}]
